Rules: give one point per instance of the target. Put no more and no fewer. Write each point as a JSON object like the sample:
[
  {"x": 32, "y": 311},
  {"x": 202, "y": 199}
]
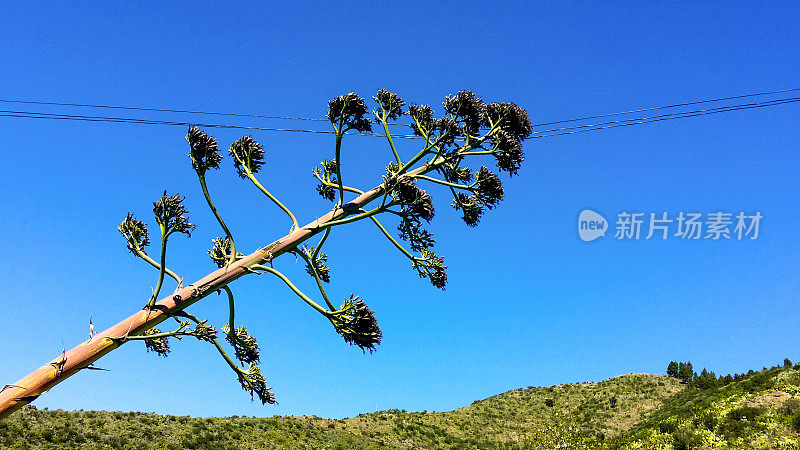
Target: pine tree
[{"x": 672, "y": 369}]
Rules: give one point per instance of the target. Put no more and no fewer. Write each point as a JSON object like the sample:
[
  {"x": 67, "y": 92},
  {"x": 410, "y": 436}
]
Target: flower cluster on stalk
[
  {"x": 415, "y": 201},
  {"x": 204, "y": 332},
  {"x": 416, "y": 205},
  {"x": 318, "y": 263},
  {"x": 455, "y": 174},
  {"x": 508, "y": 123},
  {"x": 160, "y": 345},
  {"x": 509, "y": 117},
  {"x": 357, "y": 325},
  {"x": 449, "y": 130},
  {"x": 431, "y": 266},
  {"x": 135, "y": 233},
  {"x": 489, "y": 188},
  {"x": 255, "y": 384},
  {"x": 391, "y": 170},
  {"x": 507, "y": 151},
  {"x": 411, "y": 230},
  {"x": 466, "y": 107},
  {"x": 203, "y": 150},
  {"x": 248, "y": 155},
  {"x": 349, "y": 110},
  {"x": 422, "y": 121},
  {"x": 220, "y": 252},
  {"x": 513, "y": 127},
  {"x": 243, "y": 343},
  {"x": 171, "y": 214},
  {"x": 391, "y": 104},
  {"x": 487, "y": 192},
  {"x": 326, "y": 173}
]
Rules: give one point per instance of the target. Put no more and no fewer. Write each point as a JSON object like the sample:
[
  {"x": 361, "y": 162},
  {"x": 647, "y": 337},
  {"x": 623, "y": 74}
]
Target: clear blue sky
[{"x": 527, "y": 303}]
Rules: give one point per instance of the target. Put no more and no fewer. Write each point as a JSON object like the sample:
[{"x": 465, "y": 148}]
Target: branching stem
[
  {"x": 442, "y": 182},
  {"x": 392, "y": 239},
  {"x": 383, "y": 121},
  {"x": 252, "y": 178},
  {"x": 315, "y": 274},
  {"x": 153, "y": 263},
  {"x": 294, "y": 288},
  {"x": 318, "y": 248},
  {"x": 346, "y": 188},
  {"x": 231, "y": 311},
  {"x": 202, "y": 176},
  {"x": 161, "y": 270}
]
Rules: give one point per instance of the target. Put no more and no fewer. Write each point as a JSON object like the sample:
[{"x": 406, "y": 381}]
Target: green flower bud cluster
[
  {"x": 160, "y": 345},
  {"x": 248, "y": 155},
  {"x": 327, "y": 172},
  {"x": 171, "y": 214},
  {"x": 254, "y": 383},
  {"x": 243, "y": 343},
  {"x": 318, "y": 263},
  {"x": 135, "y": 233},
  {"x": 391, "y": 104},
  {"x": 349, "y": 110},
  {"x": 357, "y": 325},
  {"x": 204, "y": 332},
  {"x": 203, "y": 150},
  {"x": 220, "y": 252},
  {"x": 431, "y": 266}
]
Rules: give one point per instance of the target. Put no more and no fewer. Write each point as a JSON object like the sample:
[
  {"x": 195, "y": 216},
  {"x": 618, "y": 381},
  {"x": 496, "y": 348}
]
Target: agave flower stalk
[{"x": 470, "y": 128}]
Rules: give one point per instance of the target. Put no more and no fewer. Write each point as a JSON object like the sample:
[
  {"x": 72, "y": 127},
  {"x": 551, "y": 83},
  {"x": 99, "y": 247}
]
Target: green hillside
[{"x": 759, "y": 410}]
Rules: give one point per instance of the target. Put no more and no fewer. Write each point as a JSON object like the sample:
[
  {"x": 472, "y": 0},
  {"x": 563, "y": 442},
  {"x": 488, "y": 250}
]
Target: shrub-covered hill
[{"x": 761, "y": 410}]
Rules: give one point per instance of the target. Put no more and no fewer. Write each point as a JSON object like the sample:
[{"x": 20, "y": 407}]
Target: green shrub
[
  {"x": 686, "y": 439},
  {"x": 707, "y": 420},
  {"x": 790, "y": 406},
  {"x": 795, "y": 421},
  {"x": 668, "y": 427},
  {"x": 746, "y": 413}
]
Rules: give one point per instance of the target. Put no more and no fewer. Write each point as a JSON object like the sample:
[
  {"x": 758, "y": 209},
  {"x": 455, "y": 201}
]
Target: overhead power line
[
  {"x": 277, "y": 117},
  {"x": 85, "y": 118},
  {"x": 677, "y": 105},
  {"x": 536, "y": 134},
  {"x": 644, "y": 120},
  {"x": 678, "y": 115},
  {"x": 138, "y": 108}
]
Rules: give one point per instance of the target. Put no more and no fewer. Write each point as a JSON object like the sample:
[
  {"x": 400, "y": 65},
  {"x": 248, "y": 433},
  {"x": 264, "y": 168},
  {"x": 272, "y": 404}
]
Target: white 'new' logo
[{"x": 591, "y": 225}]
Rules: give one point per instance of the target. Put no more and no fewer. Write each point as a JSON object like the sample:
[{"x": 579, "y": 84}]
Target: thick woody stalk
[{"x": 29, "y": 388}]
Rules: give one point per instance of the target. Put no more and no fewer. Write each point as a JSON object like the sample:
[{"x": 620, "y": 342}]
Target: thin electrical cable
[
  {"x": 259, "y": 116},
  {"x": 676, "y": 116},
  {"x": 614, "y": 124},
  {"x": 661, "y": 115},
  {"x": 666, "y": 106},
  {"x": 85, "y": 118},
  {"x": 137, "y": 108}
]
